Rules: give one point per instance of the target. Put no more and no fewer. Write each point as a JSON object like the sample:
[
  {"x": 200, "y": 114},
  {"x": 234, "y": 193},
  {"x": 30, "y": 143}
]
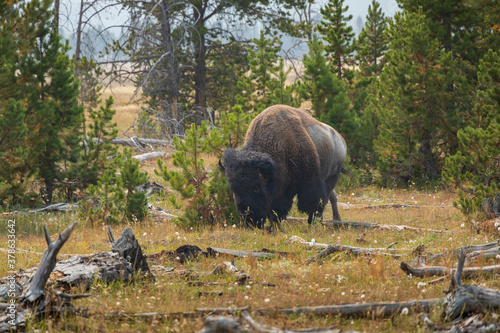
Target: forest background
[{"x": 416, "y": 96}]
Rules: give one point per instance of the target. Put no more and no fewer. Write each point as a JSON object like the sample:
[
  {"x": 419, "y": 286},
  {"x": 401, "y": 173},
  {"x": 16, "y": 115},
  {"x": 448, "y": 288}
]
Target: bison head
[{"x": 252, "y": 178}]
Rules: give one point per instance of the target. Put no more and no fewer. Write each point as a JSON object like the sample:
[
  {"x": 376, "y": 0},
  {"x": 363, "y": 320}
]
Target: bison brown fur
[{"x": 286, "y": 153}]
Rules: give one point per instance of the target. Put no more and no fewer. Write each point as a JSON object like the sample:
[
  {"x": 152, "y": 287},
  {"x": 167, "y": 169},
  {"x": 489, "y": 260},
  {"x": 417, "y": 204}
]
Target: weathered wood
[
  {"x": 128, "y": 247},
  {"x": 33, "y": 298},
  {"x": 137, "y": 143},
  {"x": 314, "y": 244},
  {"x": 349, "y": 249},
  {"x": 375, "y": 309},
  {"x": 366, "y": 225},
  {"x": 483, "y": 254},
  {"x": 213, "y": 251},
  {"x": 463, "y": 299},
  {"x": 221, "y": 324},
  {"x": 148, "y": 156},
  {"x": 466, "y": 249},
  {"x": 267, "y": 329},
  {"x": 468, "y": 272},
  {"x": 35, "y": 291}
]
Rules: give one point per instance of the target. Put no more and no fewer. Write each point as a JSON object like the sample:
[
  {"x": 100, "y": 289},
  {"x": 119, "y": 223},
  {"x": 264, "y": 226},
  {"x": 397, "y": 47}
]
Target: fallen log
[
  {"x": 217, "y": 324},
  {"x": 213, "y": 251},
  {"x": 137, "y": 143},
  {"x": 123, "y": 263},
  {"x": 465, "y": 249},
  {"x": 314, "y": 244},
  {"x": 367, "y": 225},
  {"x": 468, "y": 272},
  {"x": 357, "y": 251},
  {"x": 34, "y": 299},
  {"x": 357, "y": 310},
  {"x": 267, "y": 329},
  {"x": 463, "y": 299},
  {"x": 148, "y": 156}
]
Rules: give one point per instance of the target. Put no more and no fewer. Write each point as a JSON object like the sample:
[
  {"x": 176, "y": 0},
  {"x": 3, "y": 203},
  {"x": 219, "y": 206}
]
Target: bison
[{"x": 286, "y": 153}]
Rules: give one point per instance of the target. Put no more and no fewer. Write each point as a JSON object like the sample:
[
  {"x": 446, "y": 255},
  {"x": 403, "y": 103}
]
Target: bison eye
[{"x": 256, "y": 189}]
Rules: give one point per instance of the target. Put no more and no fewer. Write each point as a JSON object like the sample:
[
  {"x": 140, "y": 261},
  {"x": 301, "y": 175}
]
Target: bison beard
[{"x": 286, "y": 153}]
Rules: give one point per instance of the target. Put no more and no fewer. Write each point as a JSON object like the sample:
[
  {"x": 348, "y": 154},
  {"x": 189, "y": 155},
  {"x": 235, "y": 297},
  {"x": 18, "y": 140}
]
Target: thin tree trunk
[{"x": 200, "y": 74}]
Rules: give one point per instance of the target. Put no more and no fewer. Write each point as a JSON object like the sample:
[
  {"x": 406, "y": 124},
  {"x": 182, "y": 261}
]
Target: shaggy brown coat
[{"x": 286, "y": 153}]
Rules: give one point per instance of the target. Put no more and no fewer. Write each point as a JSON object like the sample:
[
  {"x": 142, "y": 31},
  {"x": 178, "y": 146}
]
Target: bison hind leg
[{"x": 312, "y": 198}]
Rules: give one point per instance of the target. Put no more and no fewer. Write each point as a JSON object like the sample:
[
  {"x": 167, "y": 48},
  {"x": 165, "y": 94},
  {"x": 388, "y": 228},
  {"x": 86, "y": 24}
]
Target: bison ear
[{"x": 267, "y": 169}]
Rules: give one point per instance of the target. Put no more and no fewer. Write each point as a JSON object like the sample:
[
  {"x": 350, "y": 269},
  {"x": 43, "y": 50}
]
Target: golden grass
[{"x": 377, "y": 279}]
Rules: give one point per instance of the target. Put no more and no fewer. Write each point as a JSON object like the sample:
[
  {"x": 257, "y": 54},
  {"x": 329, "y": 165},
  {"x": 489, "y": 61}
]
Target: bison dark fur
[{"x": 286, "y": 153}]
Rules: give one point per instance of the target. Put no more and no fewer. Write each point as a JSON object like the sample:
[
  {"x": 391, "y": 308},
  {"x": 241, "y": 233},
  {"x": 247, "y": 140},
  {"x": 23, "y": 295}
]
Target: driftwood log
[
  {"x": 138, "y": 143},
  {"x": 33, "y": 296},
  {"x": 148, "y": 156},
  {"x": 472, "y": 251},
  {"x": 462, "y": 299},
  {"x": 357, "y": 251},
  {"x": 467, "y": 273}
]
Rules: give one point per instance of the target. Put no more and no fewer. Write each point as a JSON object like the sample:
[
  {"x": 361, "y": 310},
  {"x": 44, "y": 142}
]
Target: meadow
[{"x": 276, "y": 283}]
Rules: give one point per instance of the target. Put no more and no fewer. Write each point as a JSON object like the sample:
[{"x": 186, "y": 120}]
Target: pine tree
[
  {"x": 327, "y": 93},
  {"x": 12, "y": 152},
  {"x": 479, "y": 150},
  {"x": 415, "y": 130},
  {"x": 372, "y": 43},
  {"x": 54, "y": 118},
  {"x": 338, "y": 35},
  {"x": 262, "y": 60},
  {"x": 13, "y": 130}
]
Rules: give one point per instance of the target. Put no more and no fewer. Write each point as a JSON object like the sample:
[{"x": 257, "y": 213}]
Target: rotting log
[
  {"x": 468, "y": 272},
  {"x": 261, "y": 328},
  {"x": 32, "y": 296},
  {"x": 462, "y": 300},
  {"x": 349, "y": 249},
  {"x": 137, "y": 143},
  {"x": 367, "y": 225},
  {"x": 148, "y": 156},
  {"x": 468, "y": 249},
  {"x": 213, "y": 251},
  {"x": 373, "y": 309},
  {"x": 314, "y": 244},
  {"x": 219, "y": 324},
  {"x": 121, "y": 264}
]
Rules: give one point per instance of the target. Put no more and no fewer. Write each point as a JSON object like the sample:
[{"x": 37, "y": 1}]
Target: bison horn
[{"x": 221, "y": 167}]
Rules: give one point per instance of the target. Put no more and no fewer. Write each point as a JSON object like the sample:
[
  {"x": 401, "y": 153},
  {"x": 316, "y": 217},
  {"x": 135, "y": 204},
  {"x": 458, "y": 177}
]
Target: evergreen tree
[
  {"x": 479, "y": 149},
  {"x": 464, "y": 28},
  {"x": 415, "y": 130},
  {"x": 225, "y": 66},
  {"x": 338, "y": 35},
  {"x": 266, "y": 83},
  {"x": 326, "y": 91},
  {"x": 13, "y": 130},
  {"x": 372, "y": 44},
  {"x": 370, "y": 47},
  {"x": 54, "y": 118},
  {"x": 13, "y": 152}
]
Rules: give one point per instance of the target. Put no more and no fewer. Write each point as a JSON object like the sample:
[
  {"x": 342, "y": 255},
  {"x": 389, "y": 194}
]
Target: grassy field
[{"x": 338, "y": 279}]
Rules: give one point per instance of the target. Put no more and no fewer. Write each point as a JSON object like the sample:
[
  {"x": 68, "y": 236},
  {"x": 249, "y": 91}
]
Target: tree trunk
[
  {"x": 200, "y": 73},
  {"x": 431, "y": 168},
  {"x": 168, "y": 48}
]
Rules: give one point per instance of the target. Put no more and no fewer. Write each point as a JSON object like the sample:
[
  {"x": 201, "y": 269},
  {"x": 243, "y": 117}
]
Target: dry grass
[
  {"x": 376, "y": 279},
  {"x": 126, "y": 104}
]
